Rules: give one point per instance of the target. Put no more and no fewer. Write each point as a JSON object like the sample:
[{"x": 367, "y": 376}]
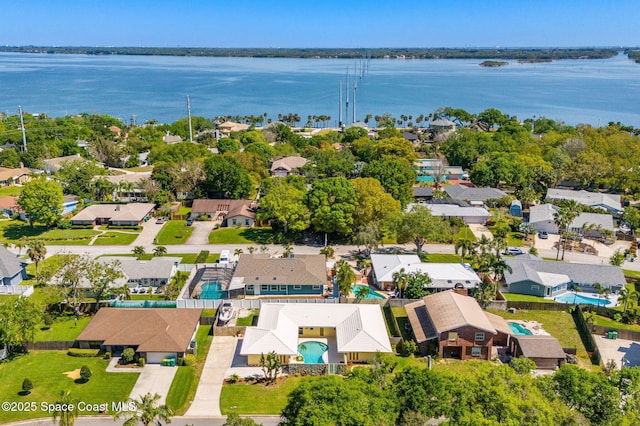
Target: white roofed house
[
  {"x": 609, "y": 202},
  {"x": 444, "y": 276},
  {"x": 317, "y": 333},
  {"x": 131, "y": 214},
  {"x": 469, "y": 215},
  {"x": 155, "y": 272},
  {"x": 587, "y": 224}
]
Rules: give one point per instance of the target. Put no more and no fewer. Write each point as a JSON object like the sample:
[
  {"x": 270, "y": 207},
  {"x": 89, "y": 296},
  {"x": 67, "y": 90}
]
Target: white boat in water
[{"x": 227, "y": 312}]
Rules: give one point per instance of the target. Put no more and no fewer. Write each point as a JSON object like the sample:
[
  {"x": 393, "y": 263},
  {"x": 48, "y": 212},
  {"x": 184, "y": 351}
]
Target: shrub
[
  {"x": 46, "y": 318},
  {"x": 127, "y": 355},
  {"x": 83, "y": 353},
  {"x": 64, "y": 224},
  {"x": 141, "y": 362},
  {"x": 107, "y": 355},
  {"x": 27, "y": 386},
  {"x": 189, "y": 359},
  {"x": 406, "y": 347},
  {"x": 85, "y": 373},
  {"x": 234, "y": 378},
  {"x": 522, "y": 365}
]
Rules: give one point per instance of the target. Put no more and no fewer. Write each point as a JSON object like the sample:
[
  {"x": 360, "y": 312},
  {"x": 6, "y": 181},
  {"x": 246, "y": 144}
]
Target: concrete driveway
[
  {"x": 479, "y": 230},
  {"x": 149, "y": 231},
  {"x": 623, "y": 352},
  {"x": 154, "y": 378},
  {"x": 201, "y": 231}
]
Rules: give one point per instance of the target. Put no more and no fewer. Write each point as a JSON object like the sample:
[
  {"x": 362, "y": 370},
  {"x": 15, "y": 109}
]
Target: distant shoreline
[{"x": 525, "y": 55}]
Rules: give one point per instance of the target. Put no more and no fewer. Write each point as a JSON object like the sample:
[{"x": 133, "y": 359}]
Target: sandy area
[{"x": 75, "y": 374}]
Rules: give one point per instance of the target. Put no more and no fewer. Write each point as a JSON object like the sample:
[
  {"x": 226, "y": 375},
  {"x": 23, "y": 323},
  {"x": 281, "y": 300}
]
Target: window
[
  {"x": 283, "y": 287},
  {"x": 250, "y": 287},
  {"x": 479, "y": 337},
  {"x": 233, "y": 221},
  {"x": 476, "y": 351},
  {"x": 535, "y": 287},
  {"x": 246, "y": 222},
  {"x": 316, "y": 287},
  {"x": 297, "y": 287},
  {"x": 274, "y": 287},
  {"x": 264, "y": 287}
]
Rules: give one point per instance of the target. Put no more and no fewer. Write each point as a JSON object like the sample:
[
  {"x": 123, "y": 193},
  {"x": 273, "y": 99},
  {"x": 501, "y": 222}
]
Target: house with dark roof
[
  {"x": 230, "y": 213},
  {"x": 455, "y": 326},
  {"x": 131, "y": 214},
  {"x": 299, "y": 275},
  {"x": 609, "y": 202},
  {"x": 155, "y": 334},
  {"x": 473, "y": 195},
  {"x": 546, "y": 278},
  {"x": 545, "y": 351},
  {"x": 12, "y": 270},
  {"x": 422, "y": 193},
  {"x": 53, "y": 165}
]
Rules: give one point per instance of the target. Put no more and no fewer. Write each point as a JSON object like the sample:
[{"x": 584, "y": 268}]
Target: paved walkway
[{"x": 206, "y": 402}]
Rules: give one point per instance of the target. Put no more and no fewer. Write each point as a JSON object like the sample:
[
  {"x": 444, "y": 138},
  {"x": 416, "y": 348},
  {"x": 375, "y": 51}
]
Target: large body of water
[{"x": 155, "y": 87}]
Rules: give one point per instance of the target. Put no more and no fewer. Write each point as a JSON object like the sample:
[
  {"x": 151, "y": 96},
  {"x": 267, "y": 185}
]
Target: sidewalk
[{"x": 206, "y": 402}]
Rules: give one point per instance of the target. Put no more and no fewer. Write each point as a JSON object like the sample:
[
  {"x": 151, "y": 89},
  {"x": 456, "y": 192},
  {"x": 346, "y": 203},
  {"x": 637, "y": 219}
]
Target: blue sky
[{"x": 321, "y": 23}]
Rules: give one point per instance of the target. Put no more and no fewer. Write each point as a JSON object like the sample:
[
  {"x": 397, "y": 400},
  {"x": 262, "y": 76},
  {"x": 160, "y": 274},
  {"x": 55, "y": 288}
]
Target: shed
[
  {"x": 545, "y": 351},
  {"x": 516, "y": 208}
]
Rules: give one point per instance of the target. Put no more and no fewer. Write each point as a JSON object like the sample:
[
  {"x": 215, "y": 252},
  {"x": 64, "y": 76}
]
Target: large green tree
[
  {"x": 373, "y": 203},
  {"x": 396, "y": 175},
  {"x": 226, "y": 178},
  {"x": 41, "y": 200},
  {"x": 76, "y": 177},
  {"x": 419, "y": 226},
  {"x": 284, "y": 206},
  {"x": 332, "y": 204},
  {"x": 19, "y": 320}
]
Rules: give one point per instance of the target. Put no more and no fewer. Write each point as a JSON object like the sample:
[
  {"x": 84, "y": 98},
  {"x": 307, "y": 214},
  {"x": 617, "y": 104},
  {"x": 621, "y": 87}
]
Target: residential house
[
  {"x": 228, "y": 212},
  {"x": 69, "y": 204},
  {"x": 546, "y": 278},
  {"x": 9, "y": 177},
  {"x": 475, "y": 196},
  {"x": 154, "y": 334},
  {"x": 53, "y": 165},
  {"x": 428, "y": 169},
  {"x": 444, "y": 276},
  {"x": 469, "y": 215},
  {"x": 128, "y": 186},
  {"x": 299, "y": 275},
  {"x": 285, "y": 166},
  {"x": 442, "y": 125},
  {"x": 228, "y": 127},
  {"x": 12, "y": 270},
  {"x": 155, "y": 272},
  {"x": 609, "y": 202},
  {"x": 131, "y": 214},
  {"x": 422, "y": 193},
  {"x": 9, "y": 205},
  {"x": 588, "y": 224},
  {"x": 169, "y": 138},
  {"x": 347, "y": 332},
  {"x": 456, "y": 325},
  {"x": 545, "y": 351}
]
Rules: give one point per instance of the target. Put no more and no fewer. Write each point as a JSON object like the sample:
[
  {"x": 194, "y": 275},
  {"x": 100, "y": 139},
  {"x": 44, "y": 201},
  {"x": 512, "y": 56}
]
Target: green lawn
[
  {"x": 14, "y": 230},
  {"x": 10, "y": 190},
  {"x": 526, "y": 298},
  {"x": 46, "y": 371},
  {"x": 146, "y": 297},
  {"x": 515, "y": 239},
  {"x": 248, "y": 320},
  {"x": 184, "y": 210},
  {"x": 63, "y": 328},
  {"x": 464, "y": 234},
  {"x": 443, "y": 258},
  {"x": 53, "y": 263},
  {"x": 630, "y": 273},
  {"x": 608, "y": 322},
  {"x": 174, "y": 232},
  {"x": 263, "y": 235},
  {"x": 184, "y": 258},
  {"x": 140, "y": 169},
  {"x": 402, "y": 319},
  {"x": 257, "y": 398},
  {"x": 184, "y": 385},
  {"x": 559, "y": 324},
  {"x": 115, "y": 238}
]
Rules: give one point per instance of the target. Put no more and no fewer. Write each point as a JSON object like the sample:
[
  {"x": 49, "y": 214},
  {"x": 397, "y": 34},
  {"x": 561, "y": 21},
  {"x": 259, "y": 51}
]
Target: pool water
[
  {"x": 519, "y": 329},
  {"x": 312, "y": 352},
  {"x": 370, "y": 295},
  {"x": 581, "y": 300},
  {"x": 213, "y": 290}
]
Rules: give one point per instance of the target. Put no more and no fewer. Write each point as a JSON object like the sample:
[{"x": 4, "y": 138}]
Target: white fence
[
  {"x": 24, "y": 290},
  {"x": 243, "y": 303}
]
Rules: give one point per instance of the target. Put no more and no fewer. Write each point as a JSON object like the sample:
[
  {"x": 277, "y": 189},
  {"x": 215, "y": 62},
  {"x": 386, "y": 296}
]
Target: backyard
[
  {"x": 63, "y": 328},
  {"x": 174, "y": 232},
  {"x": 54, "y": 371}
]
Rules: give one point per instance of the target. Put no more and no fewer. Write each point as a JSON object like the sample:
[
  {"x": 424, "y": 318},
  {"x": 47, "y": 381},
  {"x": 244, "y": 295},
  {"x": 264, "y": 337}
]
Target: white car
[{"x": 514, "y": 251}]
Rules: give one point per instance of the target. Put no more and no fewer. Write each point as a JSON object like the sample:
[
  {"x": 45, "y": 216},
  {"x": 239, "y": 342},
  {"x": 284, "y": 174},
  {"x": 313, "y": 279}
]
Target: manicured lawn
[
  {"x": 515, "y": 239},
  {"x": 46, "y": 371},
  {"x": 146, "y": 297},
  {"x": 559, "y": 324},
  {"x": 248, "y": 320},
  {"x": 443, "y": 258},
  {"x": 184, "y": 258},
  {"x": 115, "y": 238},
  {"x": 184, "y": 210},
  {"x": 185, "y": 383},
  {"x": 263, "y": 235},
  {"x": 63, "y": 328},
  {"x": 10, "y": 190},
  {"x": 608, "y": 322},
  {"x": 14, "y": 230},
  {"x": 630, "y": 273},
  {"x": 464, "y": 234},
  {"x": 174, "y": 232},
  {"x": 401, "y": 318},
  {"x": 257, "y": 398},
  {"x": 53, "y": 263},
  {"x": 526, "y": 298}
]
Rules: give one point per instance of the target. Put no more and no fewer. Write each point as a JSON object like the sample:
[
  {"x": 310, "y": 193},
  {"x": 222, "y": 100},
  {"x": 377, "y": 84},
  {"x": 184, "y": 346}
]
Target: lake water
[{"x": 155, "y": 87}]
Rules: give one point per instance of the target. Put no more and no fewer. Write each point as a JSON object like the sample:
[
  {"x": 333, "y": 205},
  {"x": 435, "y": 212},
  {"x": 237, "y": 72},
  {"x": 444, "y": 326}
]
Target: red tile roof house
[
  {"x": 155, "y": 334},
  {"x": 230, "y": 213},
  {"x": 131, "y": 214},
  {"x": 457, "y": 326}
]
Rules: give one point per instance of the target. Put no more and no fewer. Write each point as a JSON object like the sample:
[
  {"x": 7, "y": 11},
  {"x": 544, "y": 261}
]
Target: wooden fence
[
  {"x": 51, "y": 345},
  {"x": 622, "y": 334},
  {"x": 537, "y": 306},
  {"x": 586, "y": 336}
]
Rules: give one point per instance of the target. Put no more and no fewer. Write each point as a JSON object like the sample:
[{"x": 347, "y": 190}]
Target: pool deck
[{"x": 533, "y": 326}]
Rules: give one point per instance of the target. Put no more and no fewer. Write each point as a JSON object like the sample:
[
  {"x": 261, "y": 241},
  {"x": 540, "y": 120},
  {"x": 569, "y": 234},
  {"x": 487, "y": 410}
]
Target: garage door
[{"x": 157, "y": 357}]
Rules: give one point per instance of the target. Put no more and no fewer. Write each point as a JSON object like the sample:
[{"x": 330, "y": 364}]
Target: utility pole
[
  {"x": 189, "y": 116},
  {"x": 24, "y": 136}
]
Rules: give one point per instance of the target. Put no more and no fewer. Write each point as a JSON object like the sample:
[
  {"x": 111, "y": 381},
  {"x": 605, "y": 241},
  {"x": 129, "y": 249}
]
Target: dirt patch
[{"x": 75, "y": 374}]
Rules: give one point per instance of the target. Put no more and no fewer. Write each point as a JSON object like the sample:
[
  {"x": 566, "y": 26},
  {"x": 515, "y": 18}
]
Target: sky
[{"x": 321, "y": 23}]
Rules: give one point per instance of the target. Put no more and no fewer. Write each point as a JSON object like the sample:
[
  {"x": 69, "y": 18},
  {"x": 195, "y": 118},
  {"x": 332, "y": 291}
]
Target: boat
[{"x": 227, "y": 312}]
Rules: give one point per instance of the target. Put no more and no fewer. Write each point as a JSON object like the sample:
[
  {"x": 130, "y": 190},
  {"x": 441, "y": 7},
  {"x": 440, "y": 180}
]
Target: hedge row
[
  {"x": 133, "y": 228},
  {"x": 83, "y": 353}
]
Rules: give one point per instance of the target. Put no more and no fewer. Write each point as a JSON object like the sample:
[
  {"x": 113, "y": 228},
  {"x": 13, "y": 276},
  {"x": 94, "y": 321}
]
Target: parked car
[
  {"x": 514, "y": 251},
  {"x": 190, "y": 221},
  {"x": 161, "y": 220},
  {"x": 543, "y": 235}
]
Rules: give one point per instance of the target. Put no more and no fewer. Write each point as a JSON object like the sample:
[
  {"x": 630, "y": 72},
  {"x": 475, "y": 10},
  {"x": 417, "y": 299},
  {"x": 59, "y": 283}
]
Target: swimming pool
[
  {"x": 519, "y": 329},
  {"x": 213, "y": 290},
  {"x": 581, "y": 299},
  {"x": 312, "y": 351},
  {"x": 370, "y": 295}
]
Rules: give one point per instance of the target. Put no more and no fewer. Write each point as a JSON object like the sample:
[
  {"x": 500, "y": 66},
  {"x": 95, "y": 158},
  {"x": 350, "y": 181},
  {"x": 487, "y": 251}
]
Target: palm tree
[
  {"x": 160, "y": 251},
  {"x": 466, "y": 247},
  {"x": 499, "y": 245},
  {"x": 362, "y": 293},
  {"x": 601, "y": 291},
  {"x": 19, "y": 245},
  {"x": 237, "y": 252},
  {"x": 251, "y": 249},
  {"x": 499, "y": 266},
  {"x": 36, "y": 252},
  {"x": 288, "y": 250},
  {"x": 401, "y": 281},
  {"x": 66, "y": 410},
  {"x": 576, "y": 289},
  {"x": 627, "y": 298},
  {"x": 484, "y": 244},
  {"x": 147, "y": 411},
  {"x": 138, "y": 251},
  {"x": 563, "y": 218},
  {"x": 345, "y": 277}
]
